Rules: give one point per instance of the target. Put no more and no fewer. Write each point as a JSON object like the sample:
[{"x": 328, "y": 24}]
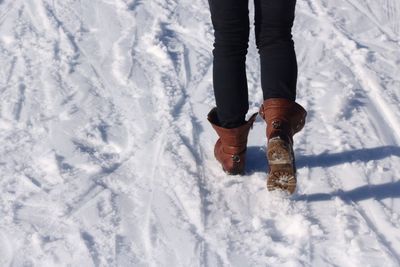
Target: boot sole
[
  {"x": 282, "y": 173},
  {"x": 233, "y": 173}
]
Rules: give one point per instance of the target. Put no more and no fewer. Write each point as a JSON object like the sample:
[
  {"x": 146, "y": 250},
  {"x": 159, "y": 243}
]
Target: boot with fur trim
[
  {"x": 284, "y": 119},
  {"x": 230, "y": 148}
]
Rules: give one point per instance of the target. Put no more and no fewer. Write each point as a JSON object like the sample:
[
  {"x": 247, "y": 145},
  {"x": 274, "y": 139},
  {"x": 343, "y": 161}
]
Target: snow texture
[{"x": 106, "y": 156}]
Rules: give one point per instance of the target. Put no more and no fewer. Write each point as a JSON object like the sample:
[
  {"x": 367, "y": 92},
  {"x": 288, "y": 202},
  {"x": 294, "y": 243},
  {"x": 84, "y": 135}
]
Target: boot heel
[
  {"x": 279, "y": 152},
  {"x": 281, "y": 164}
]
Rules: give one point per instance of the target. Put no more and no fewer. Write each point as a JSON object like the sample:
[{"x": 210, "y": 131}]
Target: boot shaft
[{"x": 284, "y": 118}]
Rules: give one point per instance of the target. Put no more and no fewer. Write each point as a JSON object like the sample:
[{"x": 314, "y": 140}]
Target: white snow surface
[{"x": 106, "y": 156}]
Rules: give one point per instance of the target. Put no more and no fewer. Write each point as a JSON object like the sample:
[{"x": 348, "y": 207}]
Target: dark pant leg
[
  {"x": 230, "y": 19},
  {"x": 273, "y": 26}
]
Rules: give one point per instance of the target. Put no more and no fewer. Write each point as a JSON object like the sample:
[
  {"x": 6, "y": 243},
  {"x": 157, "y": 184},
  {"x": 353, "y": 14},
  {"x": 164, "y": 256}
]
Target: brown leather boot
[
  {"x": 284, "y": 119},
  {"x": 230, "y": 148}
]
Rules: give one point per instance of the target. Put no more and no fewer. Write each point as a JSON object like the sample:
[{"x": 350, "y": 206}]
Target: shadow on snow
[
  {"x": 378, "y": 192},
  {"x": 364, "y": 155},
  {"x": 382, "y": 191}
]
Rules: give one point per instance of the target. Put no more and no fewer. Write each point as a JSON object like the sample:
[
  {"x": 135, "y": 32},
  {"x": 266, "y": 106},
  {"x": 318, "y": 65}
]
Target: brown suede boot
[
  {"x": 230, "y": 148},
  {"x": 284, "y": 118}
]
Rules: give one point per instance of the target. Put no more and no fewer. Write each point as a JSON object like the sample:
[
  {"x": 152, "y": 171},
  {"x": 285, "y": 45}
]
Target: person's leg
[
  {"x": 230, "y": 19},
  {"x": 231, "y": 30},
  {"x": 273, "y": 25},
  {"x": 284, "y": 117}
]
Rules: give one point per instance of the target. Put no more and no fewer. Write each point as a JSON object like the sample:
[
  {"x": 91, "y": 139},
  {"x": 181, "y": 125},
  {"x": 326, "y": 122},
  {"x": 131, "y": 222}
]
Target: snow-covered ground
[{"x": 106, "y": 154}]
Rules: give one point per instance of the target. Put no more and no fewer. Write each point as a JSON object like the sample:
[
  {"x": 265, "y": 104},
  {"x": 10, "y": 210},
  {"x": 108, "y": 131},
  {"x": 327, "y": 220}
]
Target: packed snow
[{"x": 106, "y": 156}]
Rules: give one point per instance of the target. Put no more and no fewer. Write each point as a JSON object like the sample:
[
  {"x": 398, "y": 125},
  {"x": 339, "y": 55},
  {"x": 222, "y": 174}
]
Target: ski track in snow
[{"x": 107, "y": 156}]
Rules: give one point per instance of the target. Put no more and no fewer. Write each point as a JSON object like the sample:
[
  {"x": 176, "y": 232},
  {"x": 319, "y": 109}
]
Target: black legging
[{"x": 273, "y": 24}]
